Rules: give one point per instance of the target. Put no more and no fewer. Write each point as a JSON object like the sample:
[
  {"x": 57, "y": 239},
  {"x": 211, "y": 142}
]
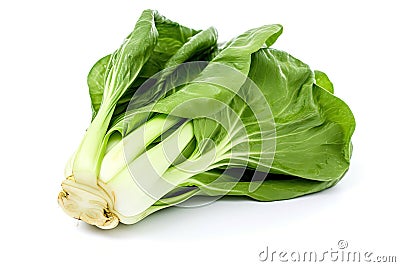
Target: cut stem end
[{"x": 91, "y": 205}]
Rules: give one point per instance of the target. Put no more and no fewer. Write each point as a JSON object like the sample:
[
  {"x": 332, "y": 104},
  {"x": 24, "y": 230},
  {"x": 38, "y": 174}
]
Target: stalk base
[{"x": 91, "y": 205}]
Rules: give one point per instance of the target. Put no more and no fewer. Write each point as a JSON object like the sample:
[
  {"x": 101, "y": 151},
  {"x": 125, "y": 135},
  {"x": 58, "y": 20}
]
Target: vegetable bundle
[{"x": 178, "y": 115}]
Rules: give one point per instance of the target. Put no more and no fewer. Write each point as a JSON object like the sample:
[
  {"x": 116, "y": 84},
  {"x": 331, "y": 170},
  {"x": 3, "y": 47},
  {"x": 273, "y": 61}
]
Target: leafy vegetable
[{"x": 177, "y": 116}]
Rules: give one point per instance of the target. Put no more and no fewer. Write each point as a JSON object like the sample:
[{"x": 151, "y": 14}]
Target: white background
[{"x": 47, "y": 49}]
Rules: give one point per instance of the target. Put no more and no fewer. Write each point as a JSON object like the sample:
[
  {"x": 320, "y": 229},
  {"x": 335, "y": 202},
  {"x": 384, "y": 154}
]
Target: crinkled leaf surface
[
  {"x": 313, "y": 127},
  {"x": 213, "y": 81}
]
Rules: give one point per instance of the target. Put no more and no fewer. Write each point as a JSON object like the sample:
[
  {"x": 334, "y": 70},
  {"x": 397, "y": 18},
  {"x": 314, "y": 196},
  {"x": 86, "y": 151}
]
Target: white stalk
[
  {"x": 134, "y": 144},
  {"x": 140, "y": 185},
  {"x": 198, "y": 164}
]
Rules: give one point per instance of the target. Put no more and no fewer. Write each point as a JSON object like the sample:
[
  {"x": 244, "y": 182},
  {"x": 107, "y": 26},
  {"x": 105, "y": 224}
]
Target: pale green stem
[
  {"x": 133, "y": 145},
  {"x": 140, "y": 184},
  {"x": 87, "y": 160}
]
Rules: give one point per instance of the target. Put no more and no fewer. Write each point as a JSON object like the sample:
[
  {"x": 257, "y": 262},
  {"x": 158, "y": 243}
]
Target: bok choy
[{"x": 177, "y": 115}]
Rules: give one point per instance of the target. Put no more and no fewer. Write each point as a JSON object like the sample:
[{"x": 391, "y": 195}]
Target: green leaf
[
  {"x": 243, "y": 132},
  {"x": 126, "y": 63},
  {"x": 313, "y": 127},
  {"x": 95, "y": 81},
  {"x": 172, "y": 36},
  {"x": 212, "y": 83},
  {"x": 202, "y": 43},
  {"x": 322, "y": 80},
  {"x": 175, "y": 44},
  {"x": 199, "y": 47},
  {"x": 275, "y": 187}
]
